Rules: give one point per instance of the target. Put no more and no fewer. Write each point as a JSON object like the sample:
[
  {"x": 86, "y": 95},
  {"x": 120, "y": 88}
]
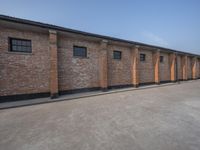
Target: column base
[
  {"x": 158, "y": 83},
  {"x": 104, "y": 89},
  {"x": 54, "y": 95},
  {"x": 135, "y": 85}
]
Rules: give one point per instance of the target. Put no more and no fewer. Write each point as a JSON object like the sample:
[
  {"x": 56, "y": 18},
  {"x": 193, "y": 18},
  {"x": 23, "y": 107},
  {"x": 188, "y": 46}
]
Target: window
[
  {"x": 80, "y": 51},
  {"x": 117, "y": 55},
  {"x": 142, "y": 57},
  {"x": 20, "y": 45},
  {"x": 161, "y": 59}
]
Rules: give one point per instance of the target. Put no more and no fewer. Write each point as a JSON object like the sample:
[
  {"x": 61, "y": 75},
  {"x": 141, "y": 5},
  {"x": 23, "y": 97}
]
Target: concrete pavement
[{"x": 164, "y": 118}]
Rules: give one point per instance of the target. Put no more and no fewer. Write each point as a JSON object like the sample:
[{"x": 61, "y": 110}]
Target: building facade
[{"x": 40, "y": 60}]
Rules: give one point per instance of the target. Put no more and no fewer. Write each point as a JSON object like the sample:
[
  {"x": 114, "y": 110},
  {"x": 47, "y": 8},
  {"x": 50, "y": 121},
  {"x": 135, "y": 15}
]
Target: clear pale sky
[{"x": 169, "y": 23}]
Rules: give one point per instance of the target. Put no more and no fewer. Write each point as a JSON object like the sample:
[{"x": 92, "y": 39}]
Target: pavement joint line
[{"x": 85, "y": 95}]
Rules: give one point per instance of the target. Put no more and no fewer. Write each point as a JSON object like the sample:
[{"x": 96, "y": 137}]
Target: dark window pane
[
  {"x": 28, "y": 49},
  {"x": 142, "y": 57},
  {"x": 14, "y": 42},
  {"x": 161, "y": 59},
  {"x": 20, "y": 45},
  {"x": 19, "y": 42},
  {"x": 14, "y": 48},
  {"x": 80, "y": 51},
  {"x": 24, "y": 48},
  {"x": 24, "y": 43},
  {"x": 18, "y": 48},
  {"x": 28, "y": 43},
  {"x": 117, "y": 54}
]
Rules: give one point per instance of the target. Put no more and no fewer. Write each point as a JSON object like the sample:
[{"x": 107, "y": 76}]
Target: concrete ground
[{"x": 163, "y": 118}]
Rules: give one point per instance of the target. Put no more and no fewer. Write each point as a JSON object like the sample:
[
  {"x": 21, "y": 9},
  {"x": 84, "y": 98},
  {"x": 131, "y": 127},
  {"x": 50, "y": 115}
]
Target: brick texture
[
  {"x": 180, "y": 67},
  {"x": 76, "y": 72},
  {"x": 119, "y": 71},
  {"x": 52, "y": 68},
  {"x": 103, "y": 65},
  {"x": 189, "y": 68},
  {"x": 54, "y": 65},
  {"x": 24, "y": 73},
  {"x": 165, "y": 68},
  {"x": 146, "y": 68}
]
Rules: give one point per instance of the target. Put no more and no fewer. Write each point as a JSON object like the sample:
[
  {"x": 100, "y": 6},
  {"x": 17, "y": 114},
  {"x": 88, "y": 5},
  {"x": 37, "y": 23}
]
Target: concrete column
[
  {"x": 157, "y": 66},
  {"x": 135, "y": 66},
  {"x": 103, "y": 62},
  {"x": 173, "y": 67},
  {"x": 184, "y": 65},
  {"x": 53, "y": 63},
  {"x": 194, "y": 68}
]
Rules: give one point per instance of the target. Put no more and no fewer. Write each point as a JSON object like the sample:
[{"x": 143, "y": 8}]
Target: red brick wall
[
  {"x": 119, "y": 71},
  {"x": 180, "y": 69},
  {"x": 24, "y": 73},
  {"x": 165, "y": 68},
  {"x": 74, "y": 72},
  {"x": 189, "y": 68},
  {"x": 146, "y": 68}
]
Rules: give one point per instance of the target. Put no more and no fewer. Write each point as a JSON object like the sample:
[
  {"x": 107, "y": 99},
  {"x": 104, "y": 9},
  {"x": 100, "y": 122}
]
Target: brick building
[{"x": 40, "y": 60}]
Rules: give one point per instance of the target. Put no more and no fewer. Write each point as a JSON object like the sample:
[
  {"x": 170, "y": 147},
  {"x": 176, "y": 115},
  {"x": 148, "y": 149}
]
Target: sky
[{"x": 172, "y": 24}]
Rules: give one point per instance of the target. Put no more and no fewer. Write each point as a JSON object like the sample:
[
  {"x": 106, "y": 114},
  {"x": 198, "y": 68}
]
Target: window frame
[
  {"x": 120, "y": 54},
  {"x": 142, "y": 57},
  {"x": 162, "y": 60},
  {"x": 80, "y": 47},
  {"x": 19, "y": 45}
]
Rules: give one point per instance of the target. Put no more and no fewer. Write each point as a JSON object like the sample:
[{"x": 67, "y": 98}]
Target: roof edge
[{"x": 59, "y": 28}]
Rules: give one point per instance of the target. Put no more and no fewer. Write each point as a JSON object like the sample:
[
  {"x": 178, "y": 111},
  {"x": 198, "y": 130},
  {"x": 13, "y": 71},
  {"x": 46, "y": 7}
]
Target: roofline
[{"x": 59, "y": 28}]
